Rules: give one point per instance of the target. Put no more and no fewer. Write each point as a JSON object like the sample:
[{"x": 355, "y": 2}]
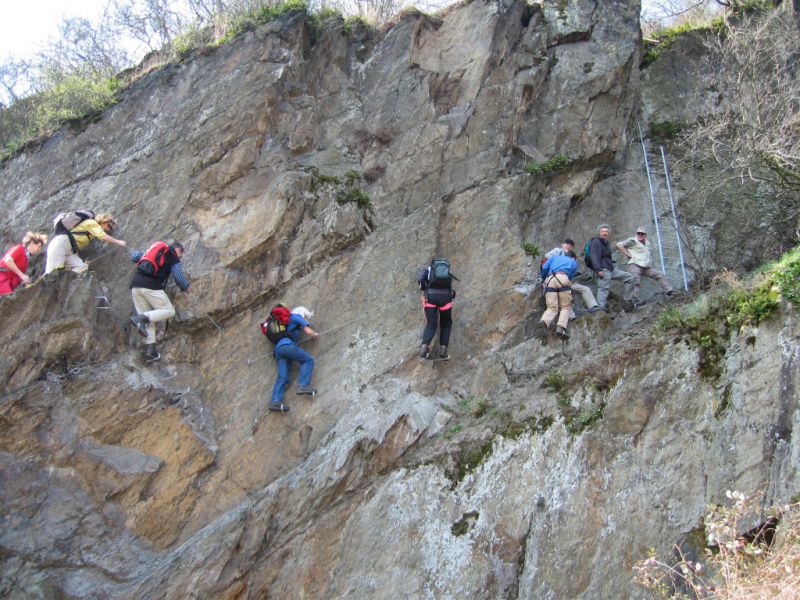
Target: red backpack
[
  {"x": 275, "y": 325},
  {"x": 153, "y": 259}
]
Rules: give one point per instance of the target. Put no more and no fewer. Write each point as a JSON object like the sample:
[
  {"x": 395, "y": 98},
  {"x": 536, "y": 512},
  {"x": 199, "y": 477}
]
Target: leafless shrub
[{"x": 743, "y": 160}]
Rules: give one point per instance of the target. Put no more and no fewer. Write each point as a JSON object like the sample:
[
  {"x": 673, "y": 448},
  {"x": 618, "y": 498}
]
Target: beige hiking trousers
[
  {"x": 60, "y": 254},
  {"x": 558, "y": 303},
  {"x": 156, "y": 305}
]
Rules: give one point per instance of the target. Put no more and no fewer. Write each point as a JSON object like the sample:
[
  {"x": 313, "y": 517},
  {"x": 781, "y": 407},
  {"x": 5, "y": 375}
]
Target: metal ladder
[{"x": 665, "y": 217}]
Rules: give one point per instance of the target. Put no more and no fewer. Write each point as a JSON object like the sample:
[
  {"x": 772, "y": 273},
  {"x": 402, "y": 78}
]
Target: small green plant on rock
[
  {"x": 454, "y": 429},
  {"x": 555, "y": 380},
  {"x": 786, "y": 276},
  {"x": 322, "y": 177},
  {"x": 352, "y": 177},
  {"x": 317, "y": 21},
  {"x": 531, "y": 249},
  {"x": 664, "y": 38},
  {"x": 749, "y": 307},
  {"x": 586, "y": 416},
  {"x": 552, "y": 165},
  {"x": 468, "y": 461},
  {"x": 535, "y": 424},
  {"x": 356, "y": 195},
  {"x": 247, "y": 20},
  {"x": 664, "y": 130}
]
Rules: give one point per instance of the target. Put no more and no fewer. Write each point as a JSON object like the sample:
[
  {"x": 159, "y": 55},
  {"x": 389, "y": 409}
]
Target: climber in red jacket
[{"x": 14, "y": 264}]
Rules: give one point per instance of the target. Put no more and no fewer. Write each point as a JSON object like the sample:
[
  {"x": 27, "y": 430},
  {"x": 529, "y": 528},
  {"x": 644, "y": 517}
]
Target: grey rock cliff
[{"x": 121, "y": 480}]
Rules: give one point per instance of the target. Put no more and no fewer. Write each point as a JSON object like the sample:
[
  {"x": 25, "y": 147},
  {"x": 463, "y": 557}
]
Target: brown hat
[{"x": 641, "y": 230}]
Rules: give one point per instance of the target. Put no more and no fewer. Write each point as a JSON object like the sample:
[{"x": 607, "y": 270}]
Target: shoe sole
[
  {"x": 282, "y": 408},
  {"x": 314, "y": 393}
]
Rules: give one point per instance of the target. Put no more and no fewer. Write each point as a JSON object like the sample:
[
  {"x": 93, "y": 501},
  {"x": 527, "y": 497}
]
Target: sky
[{"x": 26, "y": 25}]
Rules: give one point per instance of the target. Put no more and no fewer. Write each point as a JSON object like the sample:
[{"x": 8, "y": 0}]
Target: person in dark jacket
[
  {"x": 605, "y": 269},
  {"x": 149, "y": 298},
  {"x": 557, "y": 274},
  {"x": 437, "y": 305}
]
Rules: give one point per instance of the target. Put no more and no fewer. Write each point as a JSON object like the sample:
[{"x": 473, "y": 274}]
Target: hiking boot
[
  {"x": 305, "y": 390},
  {"x": 594, "y": 309},
  {"x": 424, "y": 351},
  {"x": 541, "y": 330},
  {"x": 278, "y": 407},
  {"x": 638, "y": 304},
  {"x": 151, "y": 353},
  {"x": 141, "y": 322},
  {"x": 562, "y": 332},
  {"x": 443, "y": 355}
]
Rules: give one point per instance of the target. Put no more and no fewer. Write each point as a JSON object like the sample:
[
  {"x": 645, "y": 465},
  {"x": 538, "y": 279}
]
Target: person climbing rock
[
  {"x": 637, "y": 249},
  {"x": 288, "y": 350},
  {"x": 436, "y": 283},
  {"x": 68, "y": 240},
  {"x": 557, "y": 274},
  {"x": 14, "y": 263},
  {"x": 153, "y": 268},
  {"x": 603, "y": 266},
  {"x": 568, "y": 245}
]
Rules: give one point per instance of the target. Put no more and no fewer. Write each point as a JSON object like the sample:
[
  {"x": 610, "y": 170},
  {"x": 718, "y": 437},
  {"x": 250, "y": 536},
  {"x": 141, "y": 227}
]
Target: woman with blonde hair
[
  {"x": 63, "y": 248},
  {"x": 14, "y": 263}
]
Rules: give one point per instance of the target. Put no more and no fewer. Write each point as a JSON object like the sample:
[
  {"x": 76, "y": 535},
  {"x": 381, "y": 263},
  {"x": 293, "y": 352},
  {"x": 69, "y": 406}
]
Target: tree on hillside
[
  {"x": 154, "y": 23},
  {"x": 747, "y": 155}
]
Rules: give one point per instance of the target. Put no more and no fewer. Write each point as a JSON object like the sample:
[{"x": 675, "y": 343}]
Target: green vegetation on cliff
[{"x": 731, "y": 304}]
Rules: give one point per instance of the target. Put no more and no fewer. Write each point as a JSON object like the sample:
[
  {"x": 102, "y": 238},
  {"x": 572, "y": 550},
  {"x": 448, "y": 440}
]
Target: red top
[{"x": 20, "y": 259}]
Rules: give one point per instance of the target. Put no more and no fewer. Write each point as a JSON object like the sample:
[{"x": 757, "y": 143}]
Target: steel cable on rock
[{"x": 408, "y": 296}]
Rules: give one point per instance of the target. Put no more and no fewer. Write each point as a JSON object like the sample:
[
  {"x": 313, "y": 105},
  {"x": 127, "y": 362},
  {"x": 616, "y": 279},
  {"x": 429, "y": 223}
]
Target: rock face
[{"x": 401, "y": 478}]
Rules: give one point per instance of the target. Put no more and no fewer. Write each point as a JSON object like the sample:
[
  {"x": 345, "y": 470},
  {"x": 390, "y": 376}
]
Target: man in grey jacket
[{"x": 603, "y": 266}]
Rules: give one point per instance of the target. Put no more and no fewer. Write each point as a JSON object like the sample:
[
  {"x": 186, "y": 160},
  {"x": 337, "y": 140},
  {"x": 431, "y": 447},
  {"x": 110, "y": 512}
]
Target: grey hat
[{"x": 641, "y": 230}]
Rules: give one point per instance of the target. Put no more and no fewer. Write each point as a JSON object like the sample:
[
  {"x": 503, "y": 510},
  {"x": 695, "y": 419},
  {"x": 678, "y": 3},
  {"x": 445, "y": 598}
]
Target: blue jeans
[{"x": 284, "y": 355}]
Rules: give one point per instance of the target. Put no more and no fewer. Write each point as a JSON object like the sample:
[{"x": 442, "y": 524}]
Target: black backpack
[
  {"x": 439, "y": 275},
  {"x": 275, "y": 327},
  {"x": 64, "y": 222}
]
